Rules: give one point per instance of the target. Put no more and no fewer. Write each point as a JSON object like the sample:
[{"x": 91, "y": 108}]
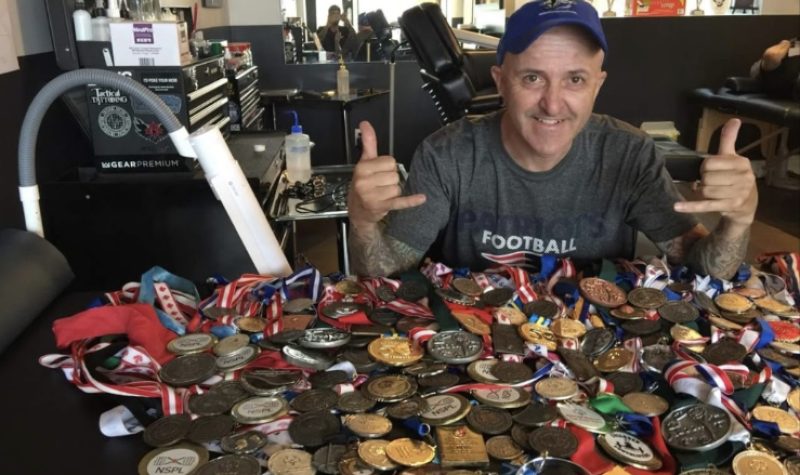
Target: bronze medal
[
  {"x": 647, "y": 298},
  {"x": 602, "y": 293}
]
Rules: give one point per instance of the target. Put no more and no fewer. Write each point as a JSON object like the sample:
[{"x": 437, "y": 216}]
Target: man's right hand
[{"x": 375, "y": 189}]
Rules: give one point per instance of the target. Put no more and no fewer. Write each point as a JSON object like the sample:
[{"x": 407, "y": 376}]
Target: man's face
[
  {"x": 549, "y": 92},
  {"x": 334, "y": 16}
]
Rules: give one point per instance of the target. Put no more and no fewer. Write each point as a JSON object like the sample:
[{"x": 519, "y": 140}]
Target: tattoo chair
[
  {"x": 745, "y": 99},
  {"x": 459, "y": 81}
]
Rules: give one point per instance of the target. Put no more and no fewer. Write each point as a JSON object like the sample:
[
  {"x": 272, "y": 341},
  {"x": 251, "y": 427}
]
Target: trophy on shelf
[
  {"x": 698, "y": 10},
  {"x": 610, "y": 11}
]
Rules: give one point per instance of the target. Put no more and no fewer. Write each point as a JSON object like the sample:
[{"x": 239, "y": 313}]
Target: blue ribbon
[
  {"x": 637, "y": 424},
  {"x": 222, "y": 331},
  {"x": 765, "y": 429},
  {"x": 767, "y": 335},
  {"x": 743, "y": 273},
  {"x": 417, "y": 426},
  {"x": 147, "y": 294},
  {"x": 671, "y": 294},
  {"x": 680, "y": 274},
  {"x": 549, "y": 264},
  {"x": 461, "y": 272}
]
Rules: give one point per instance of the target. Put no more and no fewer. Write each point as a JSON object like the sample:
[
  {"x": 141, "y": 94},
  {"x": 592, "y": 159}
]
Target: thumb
[
  {"x": 727, "y": 138},
  {"x": 369, "y": 141}
]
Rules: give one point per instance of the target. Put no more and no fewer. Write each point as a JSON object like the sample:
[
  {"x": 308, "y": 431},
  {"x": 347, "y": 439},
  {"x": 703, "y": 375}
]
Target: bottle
[
  {"x": 83, "y": 22},
  {"x": 100, "y": 28},
  {"x": 342, "y": 80},
  {"x": 298, "y": 153}
]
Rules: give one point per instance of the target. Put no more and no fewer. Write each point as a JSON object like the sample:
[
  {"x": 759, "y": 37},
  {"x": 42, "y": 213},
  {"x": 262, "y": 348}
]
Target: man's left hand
[{"x": 727, "y": 184}]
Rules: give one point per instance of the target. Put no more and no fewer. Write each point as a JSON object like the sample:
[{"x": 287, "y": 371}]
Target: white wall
[
  {"x": 780, "y": 7},
  {"x": 253, "y": 12},
  {"x": 211, "y": 17}
]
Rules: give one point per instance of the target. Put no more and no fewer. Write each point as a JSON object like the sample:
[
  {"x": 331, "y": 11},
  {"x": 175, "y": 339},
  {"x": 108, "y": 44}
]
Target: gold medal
[
  {"x": 460, "y": 446},
  {"x": 556, "y": 389},
  {"x": 514, "y": 316},
  {"x": 723, "y": 323},
  {"x": 472, "y": 323},
  {"x": 683, "y": 333},
  {"x": 368, "y": 426},
  {"x": 794, "y": 399},
  {"x": 613, "y": 359},
  {"x": 732, "y": 302},
  {"x": 538, "y": 335},
  {"x": 250, "y": 324},
  {"x": 444, "y": 409},
  {"x": 395, "y": 351},
  {"x": 568, "y": 328},
  {"x": 410, "y": 452},
  {"x": 349, "y": 287},
  {"x": 390, "y": 387},
  {"x": 787, "y": 423},
  {"x": 749, "y": 462},
  {"x": 770, "y": 305},
  {"x": 646, "y": 404},
  {"x": 373, "y": 453}
]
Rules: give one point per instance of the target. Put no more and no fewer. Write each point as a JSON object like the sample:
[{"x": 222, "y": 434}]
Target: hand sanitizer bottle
[
  {"x": 342, "y": 81},
  {"x": 298, "y": 153},
  {"x": 83, "y": 22}
]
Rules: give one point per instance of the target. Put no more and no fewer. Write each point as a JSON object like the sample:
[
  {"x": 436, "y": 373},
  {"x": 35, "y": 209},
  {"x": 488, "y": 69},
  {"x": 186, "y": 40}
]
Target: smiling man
[{"x": 545, "y": 175}]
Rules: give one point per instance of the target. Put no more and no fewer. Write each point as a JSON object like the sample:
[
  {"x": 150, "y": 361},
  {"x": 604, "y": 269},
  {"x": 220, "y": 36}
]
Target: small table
[
  {"x": 345, "y": 104},
  {"x": 283, "y": 209}
]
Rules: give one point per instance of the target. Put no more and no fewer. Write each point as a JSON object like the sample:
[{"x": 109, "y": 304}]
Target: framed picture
[{"x": 212, "y": 3}]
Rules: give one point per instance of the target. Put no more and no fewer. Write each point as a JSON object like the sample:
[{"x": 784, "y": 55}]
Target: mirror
[{"x": 319, "y": 31}]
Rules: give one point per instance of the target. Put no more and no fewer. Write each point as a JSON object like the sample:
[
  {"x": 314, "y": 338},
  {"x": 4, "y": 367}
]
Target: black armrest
[
  {"x": 484, "y": 104},
  {"x": 32, "y": 274},
  {"x": 743, "y": 85}
]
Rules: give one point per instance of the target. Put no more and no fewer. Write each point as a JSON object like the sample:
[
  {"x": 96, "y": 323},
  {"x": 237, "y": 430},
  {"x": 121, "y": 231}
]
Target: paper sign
[{"x": 659, "y": 7}]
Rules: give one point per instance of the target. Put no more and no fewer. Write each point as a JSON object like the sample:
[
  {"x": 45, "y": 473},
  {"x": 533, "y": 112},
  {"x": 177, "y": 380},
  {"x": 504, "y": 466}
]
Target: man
[
  {"x": 545, "y": 175},
  {"x": 332, "y": 36},
  {"x": 779, "y": 70}
]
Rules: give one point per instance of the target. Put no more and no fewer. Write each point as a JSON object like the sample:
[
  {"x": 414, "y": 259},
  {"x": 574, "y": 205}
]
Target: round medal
[
  {"x": 504, "y": 398},
  {"x": 787, "y": 423},
  {"x": 568, "y": 328},
  {"x": 696, "y": 427},
  {"x": 732, "y": 302},
  {"x": 503, "y": 447},
  {"x": 647, "y": 298},
  {"x": 613, "y": 360},
  {"x": 182, "y": 458},
  {"x": 646, "y": 404},
  {"x": 582, "y": 417},
  {"x": 191, "y": 343},
  {"x": 489, "y": 420},
  {"x": 748, "y": 462},
  {"x": 628, "y": 449},
  {"x": 373, "y": 453},
  {"x": 471, "y": 323},
  {"x": 238, "y": 464},
  {"x": 259, "y": 409},
  {"x": 678, "y": 311},
  {"x": 785, "y": 331},
  {"x": 556, "y": 388},
  {"x": 390, "y": 388},
  {"x": 410, "y": 452},
  {"x": 444, "y": 409},
  {"x": 231, "y": 344},
  {"x": 555, "y": 441},
  {"x": 455, "y": 347},
  {"x": 466, "y": 286},
  {"x": 395, "y": 351},
  {"x": 602, "y": 293},
  {"x": 290, "y": 462},
  {"x": 368, "y": 426}
]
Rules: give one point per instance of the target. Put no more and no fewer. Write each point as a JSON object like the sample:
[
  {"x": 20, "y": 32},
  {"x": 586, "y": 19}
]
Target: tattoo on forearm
[
  {"x": 719, "y": 255},
  {"x": 380, "y": 255}
]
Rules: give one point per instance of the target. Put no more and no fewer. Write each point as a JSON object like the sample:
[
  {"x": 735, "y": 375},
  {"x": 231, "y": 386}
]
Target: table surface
[
  {"x": 50, "y": 425},
  {"x": 337, "y": 177}
]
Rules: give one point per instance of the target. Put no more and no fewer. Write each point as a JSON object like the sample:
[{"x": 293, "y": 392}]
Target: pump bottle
[
  {"x": 342, "y": 80},
  {"x": 298, "y": 153},
  {"x": 83, "y": 22}
]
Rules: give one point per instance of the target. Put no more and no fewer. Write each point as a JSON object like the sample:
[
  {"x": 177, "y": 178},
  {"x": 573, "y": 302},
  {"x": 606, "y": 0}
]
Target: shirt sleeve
[
  {"x": 653, "y": 194},
  {"x": 431, "y": 175}
]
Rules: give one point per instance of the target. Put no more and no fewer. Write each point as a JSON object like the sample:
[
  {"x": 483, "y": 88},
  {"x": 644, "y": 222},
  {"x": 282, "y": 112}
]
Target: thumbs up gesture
[
  {"x": 375, "y": 189},
  {"x": 727, "y": 183}
]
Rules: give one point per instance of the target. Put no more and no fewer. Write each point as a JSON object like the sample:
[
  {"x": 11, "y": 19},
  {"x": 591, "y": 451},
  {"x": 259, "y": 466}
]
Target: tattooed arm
[
  {"x": 718, "y": 254},
  {"x": 373, "y": 253}
]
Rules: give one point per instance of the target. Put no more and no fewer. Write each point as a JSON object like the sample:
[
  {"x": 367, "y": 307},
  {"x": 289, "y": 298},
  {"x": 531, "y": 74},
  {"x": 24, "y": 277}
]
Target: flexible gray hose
[{"x": 63, "y": 83}]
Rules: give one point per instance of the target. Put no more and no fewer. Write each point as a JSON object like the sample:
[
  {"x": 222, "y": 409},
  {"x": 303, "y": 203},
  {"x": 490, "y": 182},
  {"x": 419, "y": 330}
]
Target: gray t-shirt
[{"x": 482, "y": 205}]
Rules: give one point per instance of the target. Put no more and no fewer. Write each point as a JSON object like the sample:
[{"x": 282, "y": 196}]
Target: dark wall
[{"x": 61, "y": 145}]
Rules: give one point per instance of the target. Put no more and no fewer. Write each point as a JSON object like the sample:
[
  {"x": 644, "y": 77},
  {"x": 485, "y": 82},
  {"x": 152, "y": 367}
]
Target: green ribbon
[
  {"x": 608, "y": 404},
  {"x": 608, "y": 271}
]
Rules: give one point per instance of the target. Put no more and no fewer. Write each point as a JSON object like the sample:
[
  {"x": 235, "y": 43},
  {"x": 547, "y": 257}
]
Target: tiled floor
[{"x": 777, "y": 228}]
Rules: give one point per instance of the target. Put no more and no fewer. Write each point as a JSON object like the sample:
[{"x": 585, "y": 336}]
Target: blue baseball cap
[{"x": 538, "y": 16}]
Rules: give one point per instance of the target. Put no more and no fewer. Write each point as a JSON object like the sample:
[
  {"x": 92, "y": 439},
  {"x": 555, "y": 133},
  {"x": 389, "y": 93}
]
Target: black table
[{"x": 50, "y": 425}]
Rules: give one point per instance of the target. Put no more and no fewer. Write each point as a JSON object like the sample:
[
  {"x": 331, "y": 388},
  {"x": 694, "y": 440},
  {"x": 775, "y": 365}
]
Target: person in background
[
  {"x": 779, "y": 70},
  {"x": 333, "y": 35},
  {"x": 545, "y": 175}
]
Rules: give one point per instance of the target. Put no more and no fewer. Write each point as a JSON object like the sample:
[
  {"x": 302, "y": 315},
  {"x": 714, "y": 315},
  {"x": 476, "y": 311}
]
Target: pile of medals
[{"x": 475, "y": 374}]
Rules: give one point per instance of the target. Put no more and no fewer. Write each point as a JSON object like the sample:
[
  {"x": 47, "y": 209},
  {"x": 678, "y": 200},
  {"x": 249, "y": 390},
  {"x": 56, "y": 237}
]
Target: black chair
[
  {"x": 744, "y": 5},
  {"x": 459, "y": 81}
]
